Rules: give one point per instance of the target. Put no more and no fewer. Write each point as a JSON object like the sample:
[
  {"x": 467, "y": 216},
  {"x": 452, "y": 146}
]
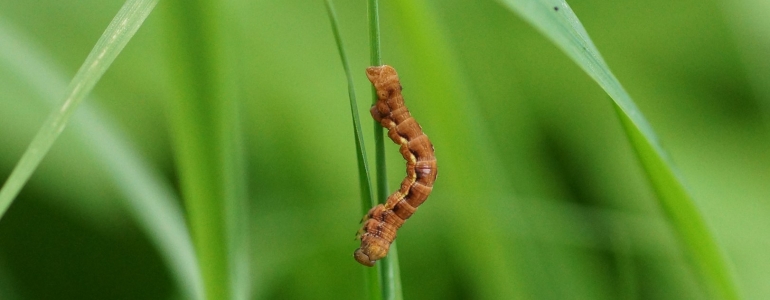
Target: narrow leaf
[
  {"x": 389, "y": 270},
  {"x": 363, "y": 165},
  {"x": 556, "y": 20},
  {"x": 148, "y": 197},
  {"x": 367, "y": 198},
  {"x": 110, "y": 44}
]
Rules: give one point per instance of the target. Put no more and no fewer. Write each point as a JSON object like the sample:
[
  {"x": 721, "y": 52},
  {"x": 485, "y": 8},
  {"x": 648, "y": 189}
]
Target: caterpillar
[{"x": 382, "y": 221}]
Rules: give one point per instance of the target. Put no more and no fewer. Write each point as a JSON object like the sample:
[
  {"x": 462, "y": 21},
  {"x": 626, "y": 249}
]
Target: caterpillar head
[
  {"x": 362, "y": 258},
  {"x": 372, "y": 249}
]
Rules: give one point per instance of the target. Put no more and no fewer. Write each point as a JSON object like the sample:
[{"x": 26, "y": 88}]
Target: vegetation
[{"x": 215, "y": 157}]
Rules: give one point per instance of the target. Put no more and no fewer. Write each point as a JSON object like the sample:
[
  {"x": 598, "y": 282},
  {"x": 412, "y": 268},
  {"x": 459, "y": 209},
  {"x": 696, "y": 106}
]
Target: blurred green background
[{"x": 539, "y": 195}]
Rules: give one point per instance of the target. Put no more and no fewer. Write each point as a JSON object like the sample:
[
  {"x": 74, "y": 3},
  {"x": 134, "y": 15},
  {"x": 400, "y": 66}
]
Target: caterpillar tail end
[{"x": 363, "y": 258}]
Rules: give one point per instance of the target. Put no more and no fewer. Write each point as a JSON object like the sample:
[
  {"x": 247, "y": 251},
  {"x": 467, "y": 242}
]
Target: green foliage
[
  {"x": 558, "y": 22},
  {"x": 115, "y": 37},
  {"x": 547, "y": 189},
  {"x": 372, "y": 278}
]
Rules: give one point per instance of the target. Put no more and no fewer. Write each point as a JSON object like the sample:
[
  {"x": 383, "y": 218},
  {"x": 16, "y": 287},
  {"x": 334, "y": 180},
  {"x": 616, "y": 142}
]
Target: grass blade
[
  {"x": 389, "y": 270},
  {"x": 557, "y": 21},
  {"x": 391, "y": 275},
  {"x": 148, "y": 197},
  {"x": 363, "y": 166},
  {"x": 367, "y": 198},
  {"x": 110, "y": 44}
]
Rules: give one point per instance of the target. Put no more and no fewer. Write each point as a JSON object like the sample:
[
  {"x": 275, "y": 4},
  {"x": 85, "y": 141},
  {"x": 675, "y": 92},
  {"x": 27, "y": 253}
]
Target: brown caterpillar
[{"x": 382, "y": 221}]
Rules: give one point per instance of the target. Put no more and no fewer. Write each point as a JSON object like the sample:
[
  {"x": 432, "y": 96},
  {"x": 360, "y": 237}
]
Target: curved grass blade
[
  {"x": 363, "y": 166},
  {"x": 113, "y": 40},
  {"x": 556, "y": 20},
  {"x": 149, "y": 198},
  {"x": 365, "y": 184}
]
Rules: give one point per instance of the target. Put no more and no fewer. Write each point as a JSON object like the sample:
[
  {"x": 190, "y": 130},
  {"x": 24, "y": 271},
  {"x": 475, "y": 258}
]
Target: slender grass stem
[
  {"x": 390, "y": 275},
  {"x": 560, "y": 24},
  {"x": 367, "y": 197},
  {"x": 110, "y": 44},
  {"x": 363, "y": 166},
  {"x": 147, "y": 196},
  {"x": 374, "y": 34}
]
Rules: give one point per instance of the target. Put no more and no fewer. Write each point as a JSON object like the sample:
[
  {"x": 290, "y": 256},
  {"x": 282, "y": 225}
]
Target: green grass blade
[
  {"x": 685, "y": 216},
  {"x": 205, "y": 122},
  {"x": 375, "y": 52},
  {"x": 557, "y": 21},
  {"x": 391, "y": 275},
  {"x": 363, "y": 165},
  {"x": 110, "y": 44},
  {"x": 151, "y": 201},
  {"x": 367, "y": 197},
  {"x": 389, "y": 270},
  {"x": 148, "y": 197}
]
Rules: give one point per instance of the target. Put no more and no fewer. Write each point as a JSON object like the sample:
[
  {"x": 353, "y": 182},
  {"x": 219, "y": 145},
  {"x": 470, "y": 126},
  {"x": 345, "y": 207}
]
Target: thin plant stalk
[
  {"x": 367, "y": 197},
  {"x": 147, "y": 196},
  {"x": 389, "y": 270},
  {"x": 110, "y": 44},
  {"x": 556, "y": 21}
]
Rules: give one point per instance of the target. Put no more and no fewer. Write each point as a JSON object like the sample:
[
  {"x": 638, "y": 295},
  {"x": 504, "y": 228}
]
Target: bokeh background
[{"x": 539, "y": 195}]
